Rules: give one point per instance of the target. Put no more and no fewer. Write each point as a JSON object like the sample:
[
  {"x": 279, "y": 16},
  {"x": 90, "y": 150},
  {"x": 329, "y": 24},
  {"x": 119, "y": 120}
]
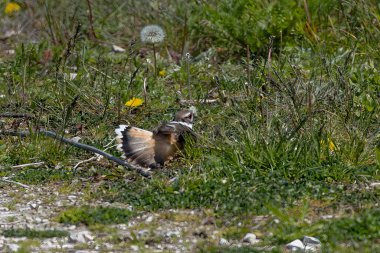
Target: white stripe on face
[{"x": 182, "y": 123}]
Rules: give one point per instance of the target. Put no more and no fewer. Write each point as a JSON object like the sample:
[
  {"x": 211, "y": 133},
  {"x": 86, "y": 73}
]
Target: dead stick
[
  {"x": 6, "y": 180},
  {"x": 27, "y": 165}
]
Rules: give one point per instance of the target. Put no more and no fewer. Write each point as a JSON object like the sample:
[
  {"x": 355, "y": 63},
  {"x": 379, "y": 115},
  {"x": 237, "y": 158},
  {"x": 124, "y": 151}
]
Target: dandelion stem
[
  {"x": 248, "y": 51},
  {"x": 155, "y": 61},
  {"x": 145, "y": 92},
  {"x": 188, "y": 77}
]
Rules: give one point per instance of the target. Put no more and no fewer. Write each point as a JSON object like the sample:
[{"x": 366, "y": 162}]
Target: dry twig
[
  {"x": 6, "y": 180},
  {"x": 27, "y": 165}
]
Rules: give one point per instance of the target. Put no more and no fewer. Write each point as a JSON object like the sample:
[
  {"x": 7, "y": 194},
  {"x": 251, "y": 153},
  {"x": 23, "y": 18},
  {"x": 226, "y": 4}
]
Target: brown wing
[
  {"x": 138, "y": 145},
  {"x": 169, "y": 138},
  {"x": 150, "y": 149}
]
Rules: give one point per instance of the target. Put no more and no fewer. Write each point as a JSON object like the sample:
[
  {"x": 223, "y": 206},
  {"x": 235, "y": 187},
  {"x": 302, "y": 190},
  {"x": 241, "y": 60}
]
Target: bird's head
[{"x": 185, "y": 116}]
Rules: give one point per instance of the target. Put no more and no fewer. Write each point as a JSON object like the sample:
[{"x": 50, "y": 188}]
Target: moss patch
[{"x": 94, "y": 215}]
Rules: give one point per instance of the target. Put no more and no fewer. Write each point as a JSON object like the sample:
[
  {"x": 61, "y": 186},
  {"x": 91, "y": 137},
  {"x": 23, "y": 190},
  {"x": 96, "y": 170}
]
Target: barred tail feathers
[{"x": 137, "y": 145}]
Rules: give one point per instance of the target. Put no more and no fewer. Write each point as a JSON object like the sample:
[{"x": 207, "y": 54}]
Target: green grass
[
  {"x": 31, "y": 233},
  {"x": 302, "y": 127},
  {"x": 94, "y": 215}
]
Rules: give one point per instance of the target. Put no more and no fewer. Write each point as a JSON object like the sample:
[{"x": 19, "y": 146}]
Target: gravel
[{"x": 36, "y": 208}]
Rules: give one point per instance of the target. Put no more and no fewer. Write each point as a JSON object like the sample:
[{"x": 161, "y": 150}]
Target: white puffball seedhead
[{"x": 152, "y": 34}]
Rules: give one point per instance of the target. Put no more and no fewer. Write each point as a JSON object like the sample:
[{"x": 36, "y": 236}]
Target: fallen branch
[
  {"x": 6, "y": 180},
  {"x": 89, "y": 148}
]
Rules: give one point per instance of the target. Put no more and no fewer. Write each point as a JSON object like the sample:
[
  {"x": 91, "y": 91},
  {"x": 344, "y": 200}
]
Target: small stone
[
  {"x": 34, "y": 205},
  {"x": 126, "y": 236},
  {"x": 312, "y": 244},
  {"x": 295, "y": 245},
  {"x": 143, "y": 233},
  {"x": 308, "y": 240},
  {"x": 309, "y": 248},
  {"x": 48, "y": 244},
  {"x": 224, "y": 242},
  {"x": 117, "y": 49},
  {"x": 13, "y": 247},
  {"x": 173, "y": 233},
  {"x": 122, "y": 226},
  {"x": 81, "y": 237},
  {"x": 59, "y": 203},
  {"x": 328, "y": 216},
  {"x": 250, "y": 238},
  {"x": 149, "y": 219},
  {"x": 10, "y": 51},
  {"x": 68, "y": 246},
  {"x": 72, "y": 198},
  {"x": 108, "y": 245},
  {"x": 134, "y": 247},
  {"x": 131, "y": 223},
  {"x": 30, "y": 226}
]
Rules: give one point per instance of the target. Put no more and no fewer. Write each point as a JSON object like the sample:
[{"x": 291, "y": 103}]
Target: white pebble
[
  {"x": 250, "y": 238},
  {"x": 295, "y": 245},
  {"x": 224, "y": 242},
  {"x": 134, "y": 247}
]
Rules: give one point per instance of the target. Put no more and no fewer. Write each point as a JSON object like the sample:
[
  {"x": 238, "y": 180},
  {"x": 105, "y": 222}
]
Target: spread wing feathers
[{"x": 137, "y": 145}]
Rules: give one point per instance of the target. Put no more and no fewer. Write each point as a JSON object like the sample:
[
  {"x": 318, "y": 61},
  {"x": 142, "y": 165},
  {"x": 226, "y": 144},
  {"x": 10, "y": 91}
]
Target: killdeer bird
[{"x": 152, "y": 149}]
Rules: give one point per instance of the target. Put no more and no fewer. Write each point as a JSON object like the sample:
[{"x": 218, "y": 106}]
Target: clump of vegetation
[
  {"x": 31, "y": 233},
  {"x": 94, "y": 215}
]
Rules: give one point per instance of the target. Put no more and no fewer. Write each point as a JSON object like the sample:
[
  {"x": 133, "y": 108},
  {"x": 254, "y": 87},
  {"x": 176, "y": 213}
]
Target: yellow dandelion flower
[
  {"x": 11, "y": 8},
  {"x": 332, "y": 146},
  {"x": 162, "y": 73},
  {"x": 134, "y": 102},
  {"x": 330, "y": 143}
]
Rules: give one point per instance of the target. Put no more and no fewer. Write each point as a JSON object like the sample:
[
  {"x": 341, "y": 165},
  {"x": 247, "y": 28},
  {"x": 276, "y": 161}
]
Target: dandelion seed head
[{"x": 152, "y": 34}]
